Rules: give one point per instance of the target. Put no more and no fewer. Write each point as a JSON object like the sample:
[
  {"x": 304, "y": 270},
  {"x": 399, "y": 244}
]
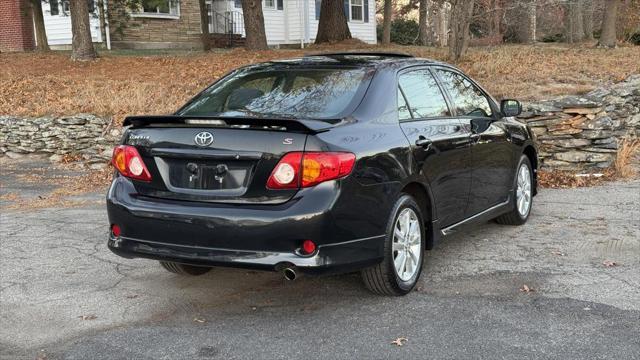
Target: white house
[
  {"x": 57, "y": 22},
  {"x": 176, "y": 23}
]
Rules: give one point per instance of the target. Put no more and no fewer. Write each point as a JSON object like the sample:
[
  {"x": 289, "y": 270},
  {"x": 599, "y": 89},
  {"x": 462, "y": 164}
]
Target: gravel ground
[{"x": 64, "y": 295}]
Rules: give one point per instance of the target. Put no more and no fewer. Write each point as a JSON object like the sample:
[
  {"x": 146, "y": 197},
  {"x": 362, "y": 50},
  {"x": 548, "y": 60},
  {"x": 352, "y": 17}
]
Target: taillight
[
  {"x": 286, "y": 174},
  {"x": 129, "y": 163},
  {"x": 305, "y": 169}
]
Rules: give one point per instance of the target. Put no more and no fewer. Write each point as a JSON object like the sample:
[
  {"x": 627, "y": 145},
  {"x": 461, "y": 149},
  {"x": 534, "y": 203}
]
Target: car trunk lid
[{"x": 215, "y": 159}]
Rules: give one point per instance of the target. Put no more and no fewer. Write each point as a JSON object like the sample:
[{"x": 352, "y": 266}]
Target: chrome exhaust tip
[{"x": 289, "y": 274}]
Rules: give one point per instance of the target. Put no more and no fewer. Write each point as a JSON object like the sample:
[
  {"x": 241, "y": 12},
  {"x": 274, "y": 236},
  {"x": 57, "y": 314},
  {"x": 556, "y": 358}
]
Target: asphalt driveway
[{"x": 63, "y": 295}]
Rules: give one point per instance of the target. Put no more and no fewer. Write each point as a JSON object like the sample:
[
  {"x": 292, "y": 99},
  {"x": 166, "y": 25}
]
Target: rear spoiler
[{"x": 312, "y": 126}]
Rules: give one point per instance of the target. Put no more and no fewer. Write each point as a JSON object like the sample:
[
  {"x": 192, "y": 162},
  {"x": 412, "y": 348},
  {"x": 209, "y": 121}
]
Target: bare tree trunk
[
  {"x": 578, "y": 30},
  {"x": 441, "y": 29},
  {"x": 608, "y": 35},
  {"x": 568, "y": 23},
  {"x": 386, "y": 23},
  {"x": 38, "y": 19},
  {"x": 103, "y": 19},
  {"x": 494, "y": 23},
  {"x": 574, "y": 29},
  {"x": 587, "y": 18},
  {"x": 81, "y": 43},
  {"x": 204, "y": 24},
  {"x": 254, "y": 25},
  {"x": 332, "y": 25},
  {"x": 532, "y": 9},
  {"x": 526, "y": 29},
  {"x": 423, "y": 23},
  {"x": 461, "y": 12}
]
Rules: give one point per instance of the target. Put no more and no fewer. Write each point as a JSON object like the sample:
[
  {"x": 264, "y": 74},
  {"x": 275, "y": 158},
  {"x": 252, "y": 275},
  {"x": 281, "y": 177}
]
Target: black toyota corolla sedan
[{"x": 329, "y": 163}]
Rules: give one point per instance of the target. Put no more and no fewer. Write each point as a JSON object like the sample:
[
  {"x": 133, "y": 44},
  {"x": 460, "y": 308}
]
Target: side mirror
[{"x": 510, "y": 107}]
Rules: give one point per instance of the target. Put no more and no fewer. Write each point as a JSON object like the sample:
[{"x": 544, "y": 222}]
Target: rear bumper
[
  {"x": 333, "y": 258},
  {"x": 264, "y": 237}
]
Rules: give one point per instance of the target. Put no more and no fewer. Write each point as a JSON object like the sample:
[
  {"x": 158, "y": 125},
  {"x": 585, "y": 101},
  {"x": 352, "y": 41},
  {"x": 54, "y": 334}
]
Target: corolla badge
[{"x": 204, "y": 138}]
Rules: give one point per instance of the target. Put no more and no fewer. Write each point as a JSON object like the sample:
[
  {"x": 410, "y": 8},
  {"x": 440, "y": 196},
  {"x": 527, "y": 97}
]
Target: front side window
[
  {"x": 424, "y": 98},
  {"x": 357, "y": 10},
  {"x": 159, "y": 7},
  {"x": 291, "y": 93},
  {"x": 468, "y": 99}
]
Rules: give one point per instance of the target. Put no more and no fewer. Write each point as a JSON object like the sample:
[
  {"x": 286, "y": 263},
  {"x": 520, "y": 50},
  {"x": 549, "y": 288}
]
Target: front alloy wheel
[
  {"x": 523, "y": 190},
  {"x": 522, "y": 195}
]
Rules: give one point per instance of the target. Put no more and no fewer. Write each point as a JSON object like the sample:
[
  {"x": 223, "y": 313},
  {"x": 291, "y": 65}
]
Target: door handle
[{"x": 423, "y": 142}]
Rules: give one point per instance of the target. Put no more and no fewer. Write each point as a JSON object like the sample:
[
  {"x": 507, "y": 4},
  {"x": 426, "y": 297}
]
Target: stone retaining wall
[
  {"x": 573, "y": 133},
  {"x": 581, "y": 132},
  {"x": 90, "y": 137}
]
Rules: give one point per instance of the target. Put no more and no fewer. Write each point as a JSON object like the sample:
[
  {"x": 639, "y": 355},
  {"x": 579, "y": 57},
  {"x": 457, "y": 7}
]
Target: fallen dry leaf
[
  {"x": 88, "y": 317},
  {"x": 609, "y": 263},
  {"x": 399, "y": 341},
  {"x": 525, "y": 288}
]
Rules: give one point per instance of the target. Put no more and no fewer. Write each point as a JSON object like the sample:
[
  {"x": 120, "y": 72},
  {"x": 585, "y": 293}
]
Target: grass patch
[{"x": 130, "y": 82}]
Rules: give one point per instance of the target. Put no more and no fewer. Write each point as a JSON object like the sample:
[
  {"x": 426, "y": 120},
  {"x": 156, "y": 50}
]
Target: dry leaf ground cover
[{"x": 123, "y": 83}]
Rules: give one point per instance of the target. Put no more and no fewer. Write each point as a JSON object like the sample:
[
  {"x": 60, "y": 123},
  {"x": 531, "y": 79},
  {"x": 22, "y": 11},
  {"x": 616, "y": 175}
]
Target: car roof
[{"x": 364, "y": 59}]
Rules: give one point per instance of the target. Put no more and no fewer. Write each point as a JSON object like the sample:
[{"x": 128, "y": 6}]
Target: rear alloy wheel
[
  {"x": 523, "y": 196},
  {"x": 183, "y": 269},
  {"x": 404, "y": 248}
]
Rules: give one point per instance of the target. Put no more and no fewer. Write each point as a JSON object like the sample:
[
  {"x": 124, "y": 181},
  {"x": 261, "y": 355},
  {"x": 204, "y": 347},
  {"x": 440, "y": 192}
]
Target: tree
[
  {"x": 386, "y": 23},
  {"x": 573, "y": 21},
  {"x": 38, "y": 19},
  {"x": 423, "y": 23},
  {"x": 254, "y": 25},
  {"x": 204, "y": 23},
  {"x": 523, "y": 20},
  {"x": 608, "y": 35},
  {"x": 332, "y": 25},
  {"x": 587, "y": 19},
  {"x": 461, "y": 14},
  {"x": 81, "y": 43},
  {"x": 441, "y": 23},
  {"x": 530, "y": 22}
]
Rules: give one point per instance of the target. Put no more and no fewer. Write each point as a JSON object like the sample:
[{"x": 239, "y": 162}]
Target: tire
[
  {"x": 383, "y": 278},
  {"x": 182, "y": 269},
  {"x": 515, "y": 216}
]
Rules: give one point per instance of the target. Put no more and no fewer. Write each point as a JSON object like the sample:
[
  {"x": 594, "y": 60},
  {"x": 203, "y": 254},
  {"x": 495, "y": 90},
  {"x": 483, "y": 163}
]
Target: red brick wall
[{"x": 16, "y": 26}]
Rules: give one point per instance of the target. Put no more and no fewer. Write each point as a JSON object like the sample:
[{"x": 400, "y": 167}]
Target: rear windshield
[{"x": 289, "y": 93}]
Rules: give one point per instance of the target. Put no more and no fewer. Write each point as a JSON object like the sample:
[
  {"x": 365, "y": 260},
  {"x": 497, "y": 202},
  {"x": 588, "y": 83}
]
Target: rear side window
[
  {"x": 403, "y": 108},
  {"x": 423, "y": 96},
  {"x": 468, "y": 99},
  {"x": 295, "y": 93}
]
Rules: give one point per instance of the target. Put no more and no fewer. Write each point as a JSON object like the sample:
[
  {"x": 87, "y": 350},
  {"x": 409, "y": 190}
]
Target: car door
[
  {"x": 440, "y": 145},
  {"x": 491, "y": 150}
]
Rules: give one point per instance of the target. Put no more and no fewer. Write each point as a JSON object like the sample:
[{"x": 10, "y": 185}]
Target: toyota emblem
[{"x": 204, "y": 138}]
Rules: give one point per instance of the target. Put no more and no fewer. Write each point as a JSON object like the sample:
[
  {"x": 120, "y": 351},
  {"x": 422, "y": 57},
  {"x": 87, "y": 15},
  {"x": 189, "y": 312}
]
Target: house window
[
  {"x": 53, "y": 6},
  {"x": 61, "y": 7},
  {"x": 158, "y": 7},
  {"x": 357, "y": 10},
  {"x": 273, "y": 4},
  {"x": 237, "y": 4}
]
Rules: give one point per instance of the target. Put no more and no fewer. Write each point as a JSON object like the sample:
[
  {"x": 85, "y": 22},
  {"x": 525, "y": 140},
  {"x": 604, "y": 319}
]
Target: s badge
[{"x": 287, "y": 141}]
